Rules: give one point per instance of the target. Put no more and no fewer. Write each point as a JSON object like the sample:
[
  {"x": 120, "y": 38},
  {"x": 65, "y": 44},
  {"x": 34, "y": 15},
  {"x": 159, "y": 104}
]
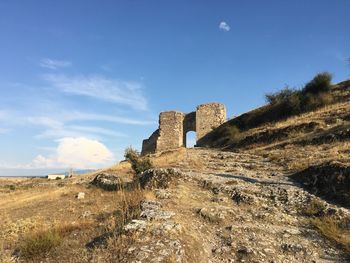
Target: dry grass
[
  {"x": 168, "y": 158},
  {"x": 296, "y": 158},
  {"x": 314, "y": 208},
  {"x": 31, "y": 218},
  {"x": 333, "y": 230},
  {"x": 181, "y": 157},
  {"x": 38, "y": 243},
  {"x": 116, "y": 249},
  {"x": 130, "y": 203}
]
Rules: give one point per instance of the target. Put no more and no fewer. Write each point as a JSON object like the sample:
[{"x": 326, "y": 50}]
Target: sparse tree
[{"x": 138, "y": 163}]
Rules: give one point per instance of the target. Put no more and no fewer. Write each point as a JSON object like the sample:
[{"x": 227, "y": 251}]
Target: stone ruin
[{"x": 174, "y": 125}]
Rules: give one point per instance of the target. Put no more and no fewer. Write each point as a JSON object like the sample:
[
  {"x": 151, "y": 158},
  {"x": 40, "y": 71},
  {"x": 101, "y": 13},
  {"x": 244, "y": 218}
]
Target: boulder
[
  {"x": 136, "y": 225},
  {"x": 158, "y": 178},
  {"x": 151, "y": 210},
  {"x": 112, "y": 182}
]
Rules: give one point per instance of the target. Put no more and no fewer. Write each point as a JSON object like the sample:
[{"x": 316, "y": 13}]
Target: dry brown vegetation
[
  {"x": 38, "y": 243},
  {"x": 44, "y": 221},
  {"x": 334, "y": 230},
  {"x": 314, "y": 208}
]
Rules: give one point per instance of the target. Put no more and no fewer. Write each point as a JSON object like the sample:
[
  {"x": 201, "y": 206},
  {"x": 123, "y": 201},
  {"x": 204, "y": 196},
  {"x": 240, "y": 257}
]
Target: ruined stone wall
[
  {"x": 208, "y": 117},
  {"x": 174, "y": 125},
  {"x": 149, "y": 145},
  {"x": 170, "y": 130}
]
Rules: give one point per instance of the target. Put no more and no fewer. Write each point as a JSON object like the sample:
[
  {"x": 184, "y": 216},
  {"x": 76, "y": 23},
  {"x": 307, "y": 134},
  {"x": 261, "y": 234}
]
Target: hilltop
[{"x": 263, "y": 187}]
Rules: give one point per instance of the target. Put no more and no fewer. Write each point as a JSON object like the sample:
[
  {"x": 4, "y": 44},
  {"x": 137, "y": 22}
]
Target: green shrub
[
  {"x": 279, "y": 96},
  {"x": 288, "y": 102},
  {"x": 12, "y": 187},
  {"x": 320, "y": 83},
  {"x": 138, "y": 163},
  {"x": 292, "y": 104}
]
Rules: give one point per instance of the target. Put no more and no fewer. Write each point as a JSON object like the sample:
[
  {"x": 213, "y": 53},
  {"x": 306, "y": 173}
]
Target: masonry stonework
[
  {"x": 174, "y": 125},
  {"x": 170, "y": 130},
  {"x": 208, "y": 117}
]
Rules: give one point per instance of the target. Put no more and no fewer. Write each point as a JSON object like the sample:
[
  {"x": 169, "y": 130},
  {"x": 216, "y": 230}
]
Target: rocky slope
[{"x": 234, "y": 208}]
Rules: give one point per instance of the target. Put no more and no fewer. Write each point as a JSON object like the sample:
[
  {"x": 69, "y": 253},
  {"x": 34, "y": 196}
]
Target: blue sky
[{"x": 82, "y": 80}]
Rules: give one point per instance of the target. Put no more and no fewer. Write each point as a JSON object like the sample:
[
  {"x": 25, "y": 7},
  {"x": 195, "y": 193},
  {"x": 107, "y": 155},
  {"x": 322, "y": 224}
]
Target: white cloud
[
  {"x": 77, "y": 153},
  {"x": 224, "y": 26},
  {"x": 116, "y": 91},
  {"x": 54, "y": 64}
]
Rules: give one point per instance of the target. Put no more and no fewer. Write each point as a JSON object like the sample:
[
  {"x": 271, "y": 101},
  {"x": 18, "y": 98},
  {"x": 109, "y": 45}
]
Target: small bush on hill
[
  {"x": 291, "y": 105},
  {"x": 279, "y": 96},
  {"x": 314, "y": 94},
  {"x": 138, "y": 163},
  {"x": 288, "y": 102},
  {"x": 320, "y": 83},
  {"x": 40, "y": 243}
]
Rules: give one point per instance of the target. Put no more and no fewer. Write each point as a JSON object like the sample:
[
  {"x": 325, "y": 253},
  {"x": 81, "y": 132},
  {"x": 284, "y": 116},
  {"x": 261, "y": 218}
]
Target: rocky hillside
[{"x": 313, "y": 144}]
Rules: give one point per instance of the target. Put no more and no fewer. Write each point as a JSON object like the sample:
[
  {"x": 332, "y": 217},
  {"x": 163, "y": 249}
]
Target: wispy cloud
[
  {"x": 96, "y": 130},
  {"x": 54, "y": 64},
  {"x": 59, "y": 124},
  {"x": 45, "y": 121},
  {"x": 127, "y": 93},
  {"x": 79, "y": 131},
  {"x": 56, "y": 129},
  {"x": 81, "y": 116},
  {"x": 224, "y": 26}
]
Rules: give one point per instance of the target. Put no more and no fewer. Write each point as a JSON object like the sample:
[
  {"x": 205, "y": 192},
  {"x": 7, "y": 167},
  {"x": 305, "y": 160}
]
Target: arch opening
[{"x": 190, "y": 139}]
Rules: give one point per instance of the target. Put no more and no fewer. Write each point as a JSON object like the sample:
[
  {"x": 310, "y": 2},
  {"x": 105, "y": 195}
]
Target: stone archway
[
  {"x": 189, "y": 125},
  {"x": 174, "y": 125}
]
